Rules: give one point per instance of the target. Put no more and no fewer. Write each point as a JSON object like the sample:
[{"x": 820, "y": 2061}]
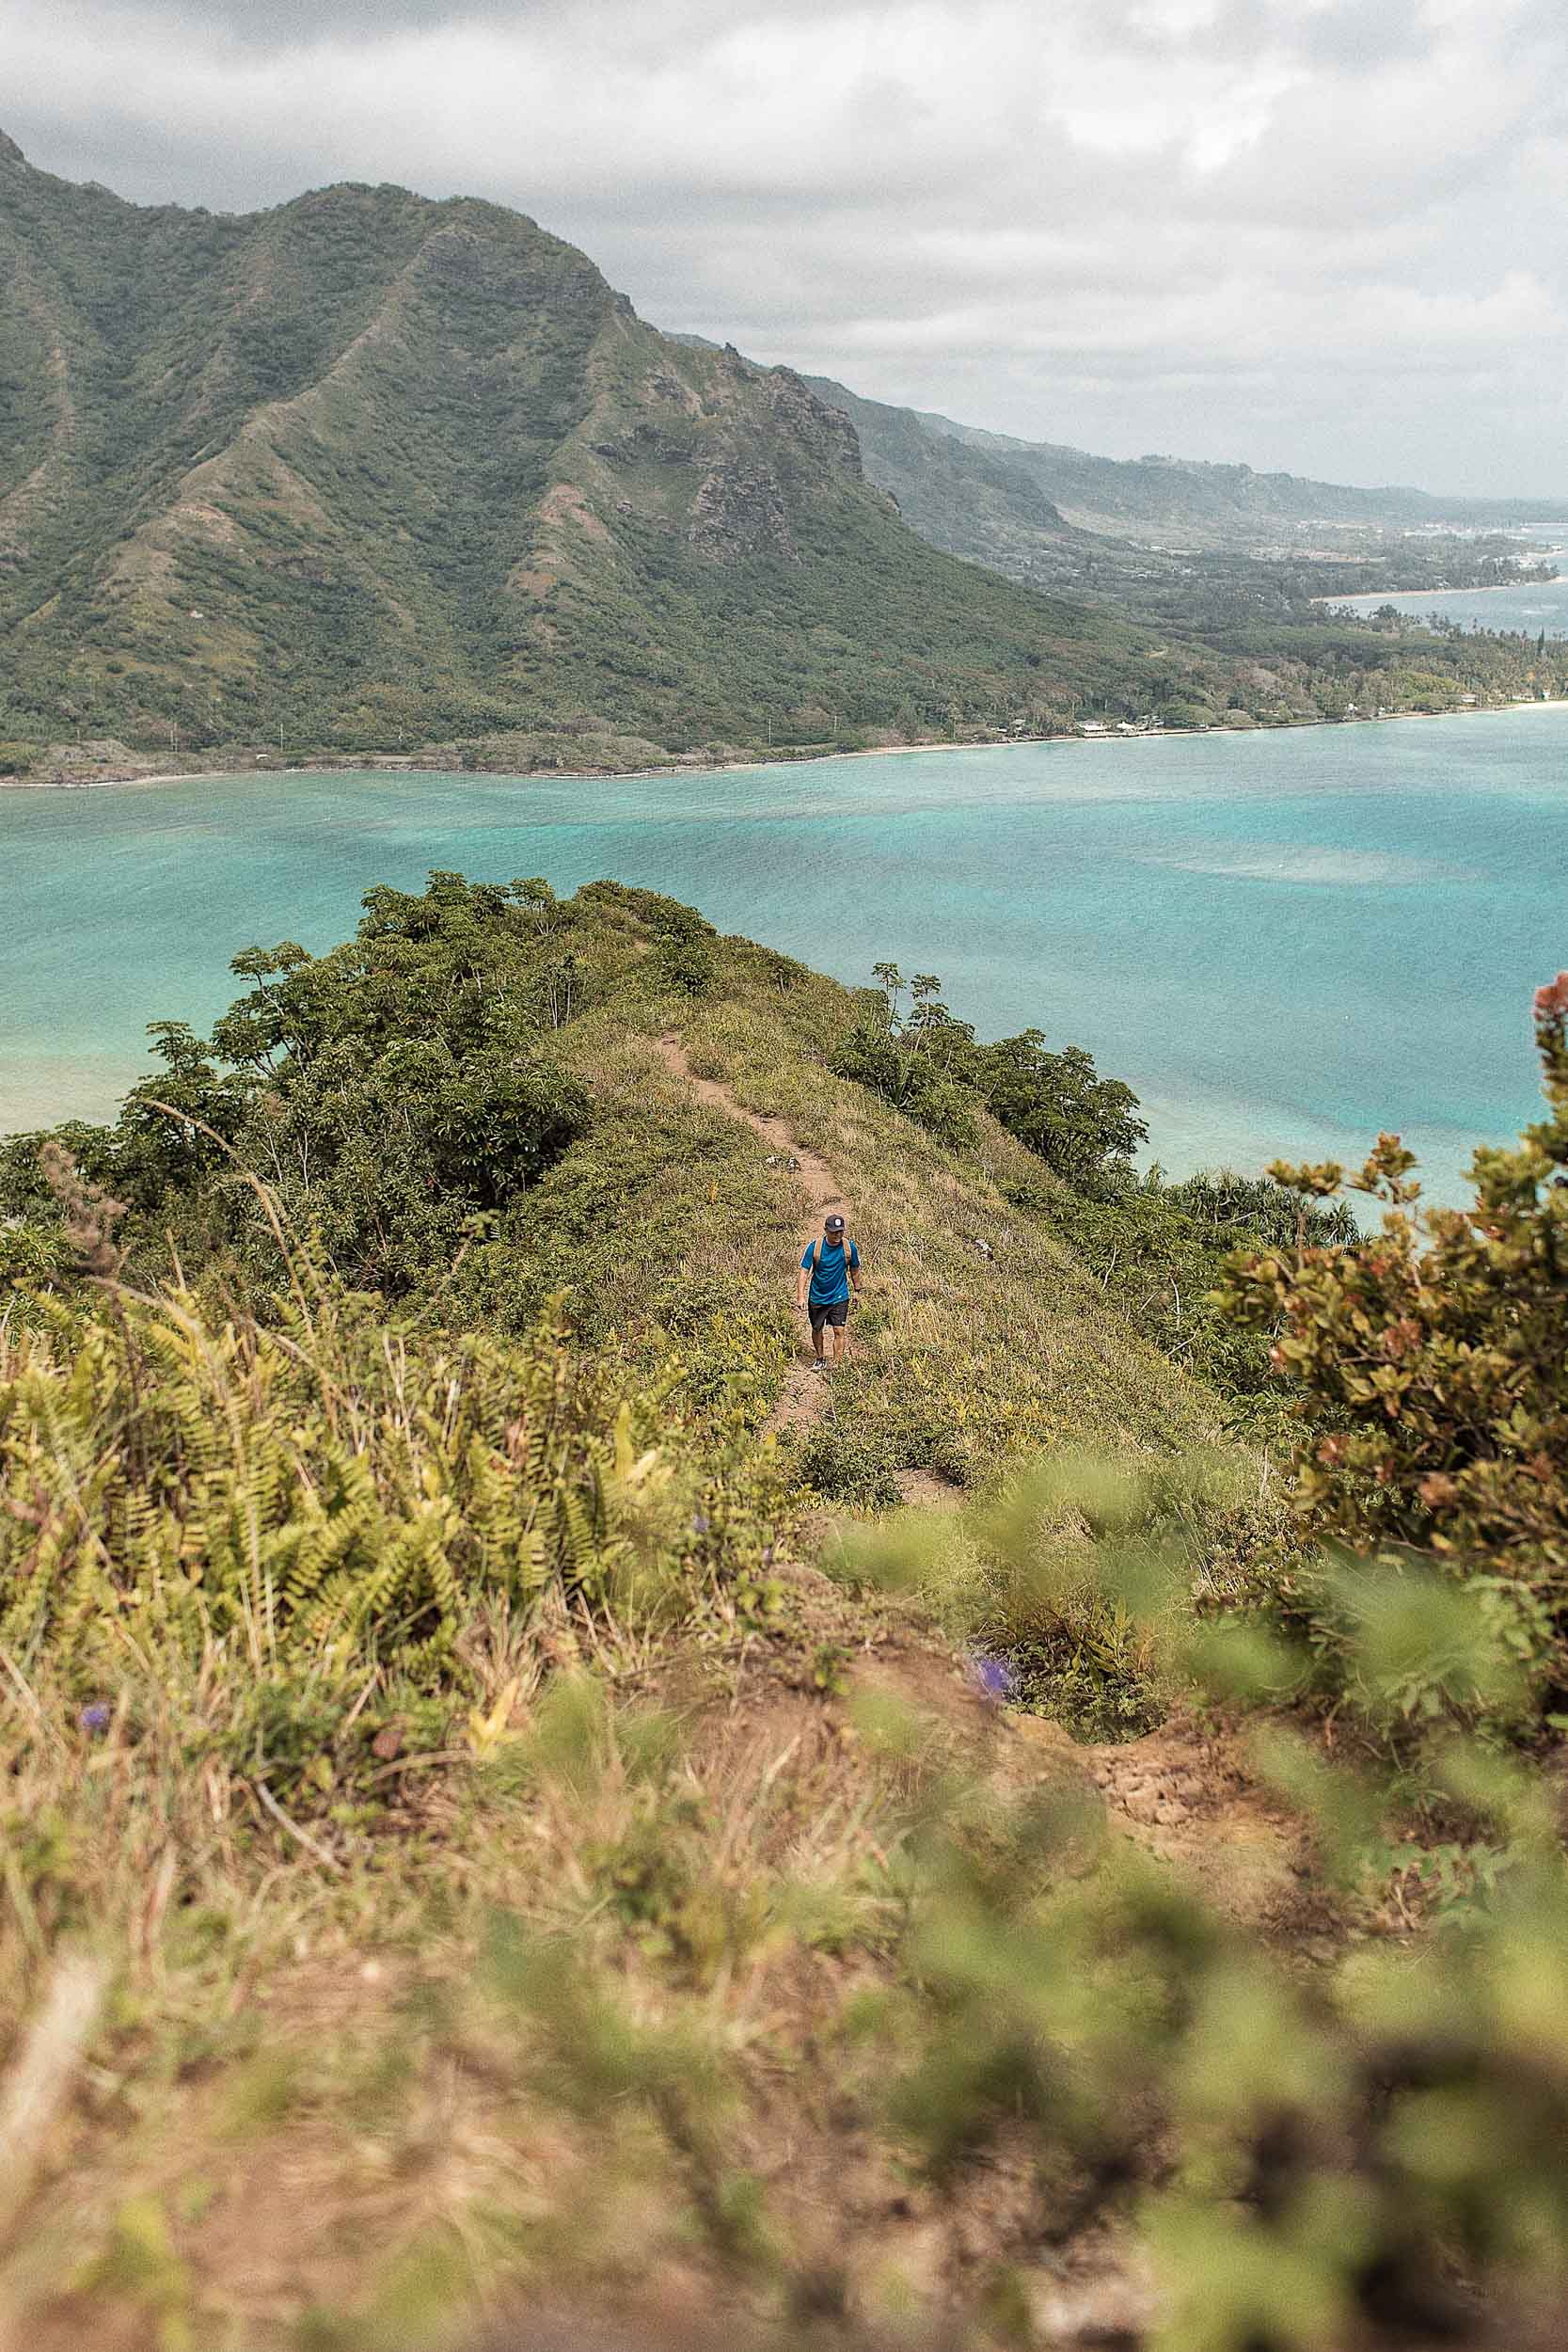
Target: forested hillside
[
  {"x": 1189, "y": 545},
  {"x": 371, "y": 471}
]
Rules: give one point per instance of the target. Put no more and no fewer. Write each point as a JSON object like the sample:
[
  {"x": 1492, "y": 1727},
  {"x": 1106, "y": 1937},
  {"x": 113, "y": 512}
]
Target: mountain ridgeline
[
  {"x": 372, "y": 474},
  {"x": 1225, "y": 505},
  {"x": 367, "y": 470},
  {"x": 1174, "y": 538}
]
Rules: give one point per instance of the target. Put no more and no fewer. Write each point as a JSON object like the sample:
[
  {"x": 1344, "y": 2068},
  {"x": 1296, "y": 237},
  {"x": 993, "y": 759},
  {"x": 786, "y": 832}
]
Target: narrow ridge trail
[
  {"x": 803, "y": 1400},
  {"x": 816, "y": 1177},
  {"x": 1185, "y": 1793}
]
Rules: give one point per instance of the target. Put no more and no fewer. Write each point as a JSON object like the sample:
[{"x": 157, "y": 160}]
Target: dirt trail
[
  {"x": 816, "y": 1177},
  {"x": 804, "y": 1399},
  {"x": 1190, "y": 1797}
]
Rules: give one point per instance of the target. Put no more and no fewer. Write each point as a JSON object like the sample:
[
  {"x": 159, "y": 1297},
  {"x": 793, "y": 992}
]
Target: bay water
[
  {"x": 1524, "y": 609},
  {"x": 1284, "y": 941}
]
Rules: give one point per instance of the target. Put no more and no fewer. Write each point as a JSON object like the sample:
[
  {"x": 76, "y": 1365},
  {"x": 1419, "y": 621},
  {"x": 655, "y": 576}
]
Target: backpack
[{"x": 817, "y": 1253}]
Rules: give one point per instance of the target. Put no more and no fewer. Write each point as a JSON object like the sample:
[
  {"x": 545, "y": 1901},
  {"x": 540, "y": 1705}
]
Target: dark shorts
[{"x": 838, "y": 1313}]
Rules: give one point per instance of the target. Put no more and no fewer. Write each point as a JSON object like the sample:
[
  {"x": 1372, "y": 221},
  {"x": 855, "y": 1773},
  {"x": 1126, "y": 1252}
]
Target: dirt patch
[
  {"x": 802, "y": 1401},
  {"x": 931, "y": 1493},
  {"x": 1190, "y": 1794}
]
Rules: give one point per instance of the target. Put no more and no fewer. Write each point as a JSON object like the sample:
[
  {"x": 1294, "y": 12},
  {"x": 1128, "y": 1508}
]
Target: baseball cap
[{"x": 834, "y": 1225}]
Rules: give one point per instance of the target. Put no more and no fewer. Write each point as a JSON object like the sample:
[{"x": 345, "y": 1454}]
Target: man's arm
[
  {"x": 805, "y": 1278},
  {"x": 854, "y": 1269}
]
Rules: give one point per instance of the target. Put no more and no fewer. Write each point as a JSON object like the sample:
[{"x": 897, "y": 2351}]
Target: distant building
[{"x": 1093, "y": 726}]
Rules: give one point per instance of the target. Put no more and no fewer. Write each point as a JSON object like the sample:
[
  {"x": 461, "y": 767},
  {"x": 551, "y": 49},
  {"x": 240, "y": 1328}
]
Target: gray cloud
[{"x": 1326, "y": 234}]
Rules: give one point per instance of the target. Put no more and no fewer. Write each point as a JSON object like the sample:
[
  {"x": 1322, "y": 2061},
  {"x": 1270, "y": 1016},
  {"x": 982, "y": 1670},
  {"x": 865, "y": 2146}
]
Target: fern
[{"x": 322, "y": 1487}]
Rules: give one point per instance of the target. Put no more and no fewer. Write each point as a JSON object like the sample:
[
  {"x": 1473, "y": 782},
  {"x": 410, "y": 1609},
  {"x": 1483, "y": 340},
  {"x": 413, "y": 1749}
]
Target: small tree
[
  {"x": 1431, "y": 1360},
  {"x": 1084, "y": 1126},
  {"x": 928, "y": 1063}
]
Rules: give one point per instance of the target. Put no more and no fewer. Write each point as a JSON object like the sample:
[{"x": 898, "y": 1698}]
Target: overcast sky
[{"x": 1328, "y": 235}]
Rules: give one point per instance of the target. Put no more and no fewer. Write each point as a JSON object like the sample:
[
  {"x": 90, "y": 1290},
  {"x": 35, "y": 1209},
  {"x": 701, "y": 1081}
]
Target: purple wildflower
[
  {"x": 699, "y": 1524},
  {"x": 993, "y": 1679},
  {"x": 95, "y": 1718}
]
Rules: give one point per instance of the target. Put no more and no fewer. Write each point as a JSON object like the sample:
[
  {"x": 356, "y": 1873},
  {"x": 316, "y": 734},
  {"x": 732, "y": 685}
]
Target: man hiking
[{"x": 829, "y": 1268}]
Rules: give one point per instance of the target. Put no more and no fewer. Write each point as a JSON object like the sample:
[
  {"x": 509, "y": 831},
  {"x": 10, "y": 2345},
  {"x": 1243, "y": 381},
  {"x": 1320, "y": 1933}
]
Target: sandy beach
[{"x": 730, "y": 767}]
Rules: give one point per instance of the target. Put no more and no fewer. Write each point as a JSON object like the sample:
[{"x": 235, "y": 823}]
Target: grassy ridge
[
  {"x": 477, "y": 1204},
  {"x": 301, "y": 1608},
  {"x": 469, "y": 1834}
]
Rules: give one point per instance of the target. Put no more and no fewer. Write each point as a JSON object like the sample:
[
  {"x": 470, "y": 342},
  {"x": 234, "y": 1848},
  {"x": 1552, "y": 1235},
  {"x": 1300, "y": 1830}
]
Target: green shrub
[
  {"x": 688, "y": 964},
  {"x": 1161, "y": 1250},
  {"x": 844, "y": 1464},
  {"x": 1360, "y": 2156},
  {"x": 1431, "y": 1366},
  {"x": 388, "y": 1094},
  {"x": 927, "y": 1065},
  {"x": 953, "y": 1457}
]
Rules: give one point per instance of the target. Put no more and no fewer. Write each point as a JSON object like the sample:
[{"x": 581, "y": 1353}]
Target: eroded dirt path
[
  {"x": 816, "y": 1177},
  {"x": 804, "y": 1399}
]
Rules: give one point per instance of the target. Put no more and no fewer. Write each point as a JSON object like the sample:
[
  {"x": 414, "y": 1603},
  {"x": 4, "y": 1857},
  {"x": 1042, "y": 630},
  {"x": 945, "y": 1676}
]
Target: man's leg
[
  {"x": 838, "y": 1342},
  {"x": 816, "y": 1334}
]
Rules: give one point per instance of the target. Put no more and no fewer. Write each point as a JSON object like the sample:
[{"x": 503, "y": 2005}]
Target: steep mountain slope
[
  {"x": 1223, "y": 505},
  {"x": 997, "y": 499},
  {"x": 950, "y": 491},
  {"x": 368, "y": 469}
]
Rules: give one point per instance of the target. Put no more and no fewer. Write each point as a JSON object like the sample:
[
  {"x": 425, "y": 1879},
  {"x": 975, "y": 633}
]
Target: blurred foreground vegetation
[{"x": 488, "y": 1816}]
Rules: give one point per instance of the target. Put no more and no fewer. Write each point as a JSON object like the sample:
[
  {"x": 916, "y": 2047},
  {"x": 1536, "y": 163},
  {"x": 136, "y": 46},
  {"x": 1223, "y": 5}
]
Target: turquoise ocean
[
  {"x": 1284, "y": 941},
  {"x": 1525, "y": 609}
]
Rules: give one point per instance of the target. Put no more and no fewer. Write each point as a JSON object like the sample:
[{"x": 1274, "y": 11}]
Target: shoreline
[
  {"x": 1489, "y": 588},
  {"x": 808, "y": 759}
]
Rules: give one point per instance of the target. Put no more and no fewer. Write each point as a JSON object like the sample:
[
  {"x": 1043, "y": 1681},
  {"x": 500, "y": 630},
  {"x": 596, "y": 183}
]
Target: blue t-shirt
[{"x": 830, "y": 1280}]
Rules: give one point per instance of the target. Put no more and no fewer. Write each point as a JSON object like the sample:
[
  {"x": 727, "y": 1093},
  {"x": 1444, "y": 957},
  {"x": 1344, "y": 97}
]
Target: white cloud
[{"x": 1326, "y": 234}]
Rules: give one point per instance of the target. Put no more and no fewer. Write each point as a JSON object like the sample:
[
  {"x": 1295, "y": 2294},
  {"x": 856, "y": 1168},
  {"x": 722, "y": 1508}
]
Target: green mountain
[
  {"x": 1153, "y": 500},
  {"x": 1219, "y": 557},
  {"x": 371, "y": 470},
  {"x": 370, "y": 473}
]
